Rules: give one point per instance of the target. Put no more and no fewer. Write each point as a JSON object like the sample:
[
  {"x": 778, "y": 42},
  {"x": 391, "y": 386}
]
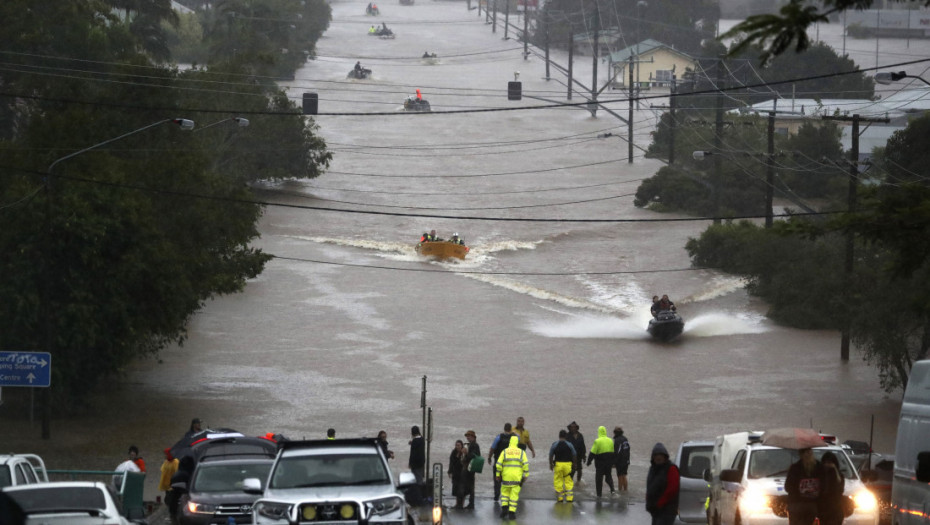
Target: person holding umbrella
[{"x": 803, "y": 485}]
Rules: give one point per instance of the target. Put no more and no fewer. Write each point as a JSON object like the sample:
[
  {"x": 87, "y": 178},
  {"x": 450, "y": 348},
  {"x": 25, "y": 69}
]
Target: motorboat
[
  {"x": 442, "y": 249},
  {"x": 360, "y": 73},
  {"x": 666, "y": 325},
  {"x": 412, "y": 103}
]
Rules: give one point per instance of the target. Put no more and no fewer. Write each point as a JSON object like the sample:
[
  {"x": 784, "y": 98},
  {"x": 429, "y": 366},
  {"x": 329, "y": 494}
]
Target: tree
[
  {"x": 818, "y": 60},
  {"x": 126, "y": 241},
  {"x": 796, "y": 266},
  {"x": 775, "y": 34}
]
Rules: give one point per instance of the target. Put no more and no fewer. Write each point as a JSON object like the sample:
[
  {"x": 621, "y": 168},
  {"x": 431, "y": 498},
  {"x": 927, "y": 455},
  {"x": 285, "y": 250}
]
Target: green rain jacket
[{"x": 602, "y": 451}]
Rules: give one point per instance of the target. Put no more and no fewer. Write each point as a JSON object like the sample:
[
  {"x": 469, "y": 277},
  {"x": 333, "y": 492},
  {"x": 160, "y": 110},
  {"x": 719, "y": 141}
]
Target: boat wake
[
  {"x": 478, "y": 253},
  {"x": 634, "y": 328},
  {"x": 538, "y": 293}
]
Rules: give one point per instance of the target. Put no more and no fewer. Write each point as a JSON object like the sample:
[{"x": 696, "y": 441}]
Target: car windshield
[
  {"x": 327, "y": 470},
  {"x": 226, "y": 477},
  {"x": 771, "y": 463},
  {"x": 49, "y": 499}
]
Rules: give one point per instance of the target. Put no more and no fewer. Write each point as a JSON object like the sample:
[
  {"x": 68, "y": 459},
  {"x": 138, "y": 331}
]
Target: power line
[{"x": 398, "y": 214}]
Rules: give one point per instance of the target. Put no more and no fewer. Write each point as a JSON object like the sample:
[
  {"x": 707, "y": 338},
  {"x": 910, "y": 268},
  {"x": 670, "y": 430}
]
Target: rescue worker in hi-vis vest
[{"x": 512, "y": 470}]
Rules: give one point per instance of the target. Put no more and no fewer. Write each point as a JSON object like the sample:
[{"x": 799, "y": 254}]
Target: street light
[
  {"x": 184, "y": 124},
  {"x": 240, "y": 121},
  {"x": 699, "y": 155},
  {"x": 889, "y": 77}
]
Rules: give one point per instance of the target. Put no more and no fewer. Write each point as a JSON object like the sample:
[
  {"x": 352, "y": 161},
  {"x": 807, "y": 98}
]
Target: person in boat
[
  {"x": 666, "y": 305},
  {"x": 654, "y": 309},
  {"x": 358, "y": 68},
  {"x": 427, "y": 237},
  {"x": 456, "y": 239},
  {"x": 373, "y": 30}
]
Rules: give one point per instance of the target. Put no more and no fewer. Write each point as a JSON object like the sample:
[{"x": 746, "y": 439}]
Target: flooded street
[{"x": 545, "y": 318}]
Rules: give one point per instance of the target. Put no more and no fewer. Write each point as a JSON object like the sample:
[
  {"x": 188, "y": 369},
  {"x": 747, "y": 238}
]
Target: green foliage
[
  {"x": 133, "y": 235},
  {"x": 798, "y": 266},
  {"x": 809, "y": 169},
  {"x": 817, "y": 60},
  {"x": 803, "y": 289},
  {"x": 775, "y": 34},
  {"x": 186, "y": 40}
]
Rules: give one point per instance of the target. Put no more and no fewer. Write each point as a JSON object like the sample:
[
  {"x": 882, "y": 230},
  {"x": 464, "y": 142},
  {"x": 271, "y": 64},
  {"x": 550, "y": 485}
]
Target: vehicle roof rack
[{"x": 318, "y": 443}]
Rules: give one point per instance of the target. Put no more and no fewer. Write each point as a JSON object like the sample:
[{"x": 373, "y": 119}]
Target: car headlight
[
  {"x": 380, "y": 507},
  {"x": 273, "y": 509},
  {"x": 754, "y": 501},
  {"x": 865, "y": 501},
  {"x": 200, "y": 508}
]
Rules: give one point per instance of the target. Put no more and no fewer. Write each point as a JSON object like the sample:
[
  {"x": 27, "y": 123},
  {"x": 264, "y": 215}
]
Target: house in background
[
  {"x": 607, "y": 40},
  {"x": 898, "y": 108},
  {"x": 654, "y": 65}
]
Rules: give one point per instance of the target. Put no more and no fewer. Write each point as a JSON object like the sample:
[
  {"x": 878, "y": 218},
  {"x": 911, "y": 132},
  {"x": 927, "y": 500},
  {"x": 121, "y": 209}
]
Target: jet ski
[{"x": 666, "y": 325}]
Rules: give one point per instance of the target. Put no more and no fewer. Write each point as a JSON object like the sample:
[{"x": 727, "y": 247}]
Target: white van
[{"x": 910, "y": 490}]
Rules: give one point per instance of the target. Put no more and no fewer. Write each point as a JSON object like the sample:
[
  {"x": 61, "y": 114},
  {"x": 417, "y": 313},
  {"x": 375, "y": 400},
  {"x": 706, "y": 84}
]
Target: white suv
[
  {"x": 322, "y": 481},
  {"x": 752, "y": 490}
]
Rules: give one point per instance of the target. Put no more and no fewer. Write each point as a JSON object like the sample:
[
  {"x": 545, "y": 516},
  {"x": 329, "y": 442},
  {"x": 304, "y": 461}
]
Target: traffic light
[
  {"x": 514, "y": 90},
  {"x": 311, "y": 103}
]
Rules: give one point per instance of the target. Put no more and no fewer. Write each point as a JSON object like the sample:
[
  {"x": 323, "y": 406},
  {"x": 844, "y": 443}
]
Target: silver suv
[
  {"x": 328, "y": 481},
  {"x": 21, "y": 469}
]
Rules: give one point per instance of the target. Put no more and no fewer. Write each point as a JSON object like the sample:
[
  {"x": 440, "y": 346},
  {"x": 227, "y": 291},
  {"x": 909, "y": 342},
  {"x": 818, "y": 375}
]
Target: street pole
[
  {"x": 47, "y": 310},
  {"x": 526, "y": 37}
]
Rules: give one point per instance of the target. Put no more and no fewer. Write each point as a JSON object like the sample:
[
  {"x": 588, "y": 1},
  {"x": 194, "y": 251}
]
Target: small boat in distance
[
  {"x": 442, "y": 249},
  {"x": 666, "y": 325}
]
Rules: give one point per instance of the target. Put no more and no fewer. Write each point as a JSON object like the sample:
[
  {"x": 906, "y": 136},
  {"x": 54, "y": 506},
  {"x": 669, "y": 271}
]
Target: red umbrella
[{"x": 793, "y": 438}]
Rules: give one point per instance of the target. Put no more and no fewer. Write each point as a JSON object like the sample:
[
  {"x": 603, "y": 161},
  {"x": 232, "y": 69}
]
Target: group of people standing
[{"x": 567, "y": 457}]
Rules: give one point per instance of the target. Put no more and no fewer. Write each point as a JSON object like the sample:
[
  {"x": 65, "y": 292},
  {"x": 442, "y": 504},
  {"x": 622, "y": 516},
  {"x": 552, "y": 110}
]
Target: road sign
[{"x": 25, "y": 369}]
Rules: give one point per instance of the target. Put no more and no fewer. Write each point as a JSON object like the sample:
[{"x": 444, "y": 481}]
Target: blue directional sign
[{"x": 25, "y": 369}]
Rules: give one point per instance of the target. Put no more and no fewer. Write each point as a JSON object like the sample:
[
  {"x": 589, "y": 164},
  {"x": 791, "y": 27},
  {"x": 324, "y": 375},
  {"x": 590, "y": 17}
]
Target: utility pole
[
  {"x": 671, "y": 111},
  {"x": 546, "y": 21},
  {"x": 526, "y": 37},
  {"x": 851, "y": 201},
  {"x": 596, "y": 41},
  {"x": 770, "y": 173},
  {"x": 494, "y": 18},
  {"x": 718, "y": 140},
  {"x": 506, "y": 18},
  {"x": 571, "y": 54},
  {"x": 629, "y": 121}
]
